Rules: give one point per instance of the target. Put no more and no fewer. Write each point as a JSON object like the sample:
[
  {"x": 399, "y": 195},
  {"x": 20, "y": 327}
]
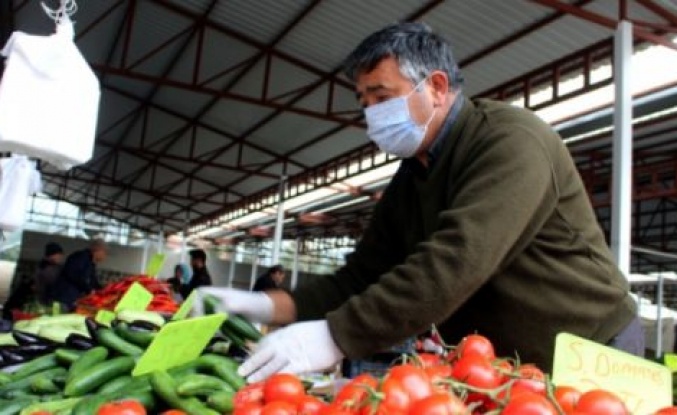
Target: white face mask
[{"x": 390, "y": 126}]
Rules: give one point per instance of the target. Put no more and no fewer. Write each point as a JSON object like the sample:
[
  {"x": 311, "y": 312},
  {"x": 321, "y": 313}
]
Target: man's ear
[{"x": 439, "y": 81}]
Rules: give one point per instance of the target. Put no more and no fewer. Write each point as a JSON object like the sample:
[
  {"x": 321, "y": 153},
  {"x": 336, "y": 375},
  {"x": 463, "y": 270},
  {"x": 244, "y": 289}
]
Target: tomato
[
  {"x": 279, "y": 408},
  {"x": 310, "y": 405},
  {"x": 414, "y": 380},
  {"x": 505, "y": 368},
  {"x": 670, "y": 410},
  {"x": 601, "y": 402},
  {"x": 174, "y": 412},
  {"x": 335, "y": 409},
  {"x": 567, "y": 398},
  {"x": 252, "y": 393},
  {"x": 439, "y": 404},
  {"x": 355, "y": 391},
  {"x": 283, "y": 387},
  {"x": 476, "y": 344},
  {"x": 438, "y": 374},
  {"x": 529, "y": 403},
  {"x": 426, "y": 360},
  {"x": 248, "y": 408},
  {"x": 477, "y": 371},
  {"x": 127, "y": 407},
  {"x": 396, "y": 399},
  {"x": 530, "y": 378},
  {"x": 41, "y": 413}
]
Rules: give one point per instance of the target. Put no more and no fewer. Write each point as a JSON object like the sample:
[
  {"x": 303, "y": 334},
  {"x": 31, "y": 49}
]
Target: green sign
[
  {"x": 670, "y": 360},
  {"x": 105, "y": 317},
  {"x": 136, "y": 298},
  {"x": 178, "y": 342},
  {"x": 644, "y": 386},
  {"x": 185, "y": 308},
  {"x": 155, "y": 265}
]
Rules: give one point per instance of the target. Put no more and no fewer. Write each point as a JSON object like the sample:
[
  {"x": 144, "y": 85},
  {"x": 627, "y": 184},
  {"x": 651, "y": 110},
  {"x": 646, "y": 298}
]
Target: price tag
[
  {"x": 644, "y": 386},
  {"x": 104, "y": 317},
  {"x": 136, "y": 298},
  {"x": 670, "y": 360},
  {"x": 178, "y": 342},
  {"x": 155, "y": 265},
  {"x": 185, "y": 308}
]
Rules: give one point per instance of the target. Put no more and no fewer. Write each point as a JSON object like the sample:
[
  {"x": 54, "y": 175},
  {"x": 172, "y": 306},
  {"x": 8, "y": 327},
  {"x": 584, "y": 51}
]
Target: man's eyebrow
[{"x": 371, "y": 88}]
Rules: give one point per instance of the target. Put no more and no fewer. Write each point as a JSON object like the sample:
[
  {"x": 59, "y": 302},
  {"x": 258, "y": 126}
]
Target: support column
[
  {"x": 279, "y": 223},
  {"x": 621, "y": 203},
  {"x": 255, "y": 263},
  {"x": 231, "y": 267},
  {"x": 295, "y": 269}
]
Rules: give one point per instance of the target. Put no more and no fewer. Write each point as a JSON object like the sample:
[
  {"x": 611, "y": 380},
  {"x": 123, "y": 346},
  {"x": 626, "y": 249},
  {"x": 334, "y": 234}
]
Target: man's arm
[{"x": 75, "y": 271}]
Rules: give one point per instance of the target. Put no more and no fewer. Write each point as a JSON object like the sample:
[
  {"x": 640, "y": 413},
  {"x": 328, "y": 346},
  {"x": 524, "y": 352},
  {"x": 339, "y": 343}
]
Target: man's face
[
  {"x": 56, "y": 258},
  {"x": 196, "y": 263},
  {"x": 99, "y": 255},
  {"x": 278, "y": 277}
]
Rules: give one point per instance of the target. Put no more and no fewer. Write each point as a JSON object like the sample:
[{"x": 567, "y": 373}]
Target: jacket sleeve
[
  {"x": 372, "y": 257},
  {"x": 506, "y": 192},
  {"x": 76, "y": 270}
]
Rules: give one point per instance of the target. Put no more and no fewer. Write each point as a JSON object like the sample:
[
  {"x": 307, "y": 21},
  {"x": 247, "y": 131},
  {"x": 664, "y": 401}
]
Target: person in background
[
  {"x": 78, "y": 276},
  {"x": 201, "y": 277},
  {"x": 271, "y": 280},
  {"x": 48, "y": 271},
  {"x": 179, "y": 282},
  {"x": 486, "y": 227}
]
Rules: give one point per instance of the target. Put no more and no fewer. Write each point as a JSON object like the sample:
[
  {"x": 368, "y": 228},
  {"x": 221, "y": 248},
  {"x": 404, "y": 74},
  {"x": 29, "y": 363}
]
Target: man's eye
[{"x": 382, "y": 98}]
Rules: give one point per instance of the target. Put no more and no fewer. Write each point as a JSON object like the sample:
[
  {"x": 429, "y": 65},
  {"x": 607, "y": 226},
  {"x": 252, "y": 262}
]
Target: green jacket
[{"x": 498, "y": 238}]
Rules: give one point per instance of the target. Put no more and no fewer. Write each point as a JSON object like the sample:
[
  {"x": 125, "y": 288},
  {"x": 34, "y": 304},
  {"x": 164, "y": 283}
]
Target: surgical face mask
[{"x": 391, "y": 127}]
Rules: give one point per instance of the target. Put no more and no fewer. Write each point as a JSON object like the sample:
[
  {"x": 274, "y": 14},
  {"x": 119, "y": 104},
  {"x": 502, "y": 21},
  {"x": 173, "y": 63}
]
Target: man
[
  {"x": 48, "y": 271},
  {"x": 486, "y": 227},
  {"x": 201, "y": 277},
  {"x": 271, "y": 280},
  {"x": 78, "y": 276}
]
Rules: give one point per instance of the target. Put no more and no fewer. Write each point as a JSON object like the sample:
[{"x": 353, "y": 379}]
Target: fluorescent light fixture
[
  {"x": 321, "y": 195},
  {"x": 343, "y": 205},
  {"x": 368, "y": 177}
]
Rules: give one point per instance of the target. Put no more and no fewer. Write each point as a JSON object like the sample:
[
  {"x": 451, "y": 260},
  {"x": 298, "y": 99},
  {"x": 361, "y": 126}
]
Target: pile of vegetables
[{"x": 109, "y": 296}]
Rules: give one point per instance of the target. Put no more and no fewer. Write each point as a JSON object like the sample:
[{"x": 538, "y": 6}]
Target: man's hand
[
  {"x": 256, "y": 306},
  {"x": 298, "y": 348}
]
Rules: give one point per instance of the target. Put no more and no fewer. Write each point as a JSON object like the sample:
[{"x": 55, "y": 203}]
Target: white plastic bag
[
  {"x": 18, "y": 180},
  {"x": 49, "y": 98}
]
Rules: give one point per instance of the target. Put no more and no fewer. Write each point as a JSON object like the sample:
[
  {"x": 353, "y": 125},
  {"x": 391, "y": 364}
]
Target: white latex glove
[
  {"x": 254, "y": 306},
  {"x": 298, "y": 348}
]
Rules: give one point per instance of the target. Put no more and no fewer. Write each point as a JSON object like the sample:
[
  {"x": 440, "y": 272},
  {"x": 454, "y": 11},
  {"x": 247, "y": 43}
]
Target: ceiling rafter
[{"x": 660, "y": 11}]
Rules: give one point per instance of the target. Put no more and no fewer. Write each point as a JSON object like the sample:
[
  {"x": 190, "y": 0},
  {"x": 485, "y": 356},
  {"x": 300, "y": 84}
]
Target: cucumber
[
  {"x": 45, "y": 362},
  {"x": 222, "y": 401},
  {"x": 165, "y": 387},
  {"x": 136, "y": 315},
  {"x": 92, "y": 378},
  {"x": 53, "y": 406},
  {"x": 116, "y": 384},
  {"x": 242, "y": 327},
  {"x": 24, "y": 384},
  {"x": 145, "y": 397},
  {"x": 223, "y": 367},
  {"x": 201, "y": 385},
  {"x": 14, "y": 406},
  {"x": 90, "y": 405},
  {"x": 5, "y": 378},
  {"x": 140, "y": 338},
  {"x": 44, "y": 385},
  {"x": 67, "y": 356},
  {"x": 234, "y": 338},
  {"x": 90, "y": 358},
  {"x": 108, "y": 338}
]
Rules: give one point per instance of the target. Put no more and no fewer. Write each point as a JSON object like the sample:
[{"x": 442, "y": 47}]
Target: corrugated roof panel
[
  {"x": 220, "y": 53},
  {"x": 183, "y": 101},
  {"x": 342, "y": 142},
  {"x": 336, "y": 26},
  {"x": 235, "y": 116},
  {"x": 286, "y": 133},
  {"x": 609, "y": 9}
]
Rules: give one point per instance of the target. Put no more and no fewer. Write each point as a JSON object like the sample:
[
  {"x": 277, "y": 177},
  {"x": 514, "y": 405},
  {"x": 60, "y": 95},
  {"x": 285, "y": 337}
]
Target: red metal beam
[{"x": 82, "y": 33}]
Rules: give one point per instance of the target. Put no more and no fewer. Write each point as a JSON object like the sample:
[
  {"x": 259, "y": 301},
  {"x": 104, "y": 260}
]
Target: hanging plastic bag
[
  {"x": 49, "y": 98},
  {"x": 18, "y": 180}
]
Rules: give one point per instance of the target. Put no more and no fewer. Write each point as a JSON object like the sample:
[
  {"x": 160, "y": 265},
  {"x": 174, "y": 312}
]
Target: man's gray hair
[{"x": 417, "y": 49}]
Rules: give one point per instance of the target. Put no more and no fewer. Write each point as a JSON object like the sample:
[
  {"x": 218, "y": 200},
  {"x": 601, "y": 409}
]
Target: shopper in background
[
  {"x": 201, "y": 277},
  {"x": 486, "y": 227},
  {"x": 48, "y": 271},
  {"x": 180, "y": 281},
  {"x": 271, "y": 280},
  {"x": 78, "y": 276}
]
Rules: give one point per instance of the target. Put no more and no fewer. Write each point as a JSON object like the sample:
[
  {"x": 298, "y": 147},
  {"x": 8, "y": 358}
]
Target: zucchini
[
  {"x": 222, "y": 401},
  {"x": 93, "y": 377},
  {"x": 116, "y": 384},
  {"x": 136, "y": 315},
  {"x": 223, "y": 367},
  {"x": 44, "y": 385},
  {"x": 67, "y": 356},
  {"x": 201, "y": 385},
  {"x": 108, "y": 338},
  {"x": 89, "y": 359},
  {"x": 165, "y": 387},
  {"x": 36, "y": 365},
  {"x": 242, "y": 327}
]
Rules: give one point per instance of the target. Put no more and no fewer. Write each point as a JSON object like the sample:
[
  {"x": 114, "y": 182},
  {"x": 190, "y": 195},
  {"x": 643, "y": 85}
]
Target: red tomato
[
  {"x": 529, "y": 403},
  {"x": 252, "y": 393},
  {"x": 414, "y": 380},
  {"x": 396, "y": 399},
  {"x": 310, "y": 405},
  {"x": 476, "y": 344},
  {"x": 505, "y": 368},
  {"x": 335, "y": 409},
  {"x": 567, "y": 398},
  {"x": 601, "y": 402},
  {"x": 439, "y": 404},
  {"x": 531, "y": 378},
  {"x": 128, "y": 407},
  {"x": 427, "y": 359},
  {"x": 174, "y": 412},
  {"x": 355, "y": 391},
  {"x": 438, "y": 374},
  {"x": 670, "y": 410},
  {"x": 477, "y": 371},
  {"x": 279, "y": 408},
  {"x": 248, "y": 408},
  {"x": 283, "y": 387},
  {"x": 41, "y": 413}
]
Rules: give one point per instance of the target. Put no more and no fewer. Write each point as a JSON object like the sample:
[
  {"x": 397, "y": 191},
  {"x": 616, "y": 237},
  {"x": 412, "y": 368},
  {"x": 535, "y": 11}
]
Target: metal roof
[{"x": 206, "y": 103}]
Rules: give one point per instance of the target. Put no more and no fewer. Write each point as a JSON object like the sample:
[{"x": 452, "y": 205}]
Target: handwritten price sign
[{"x": 644, "y": 386}]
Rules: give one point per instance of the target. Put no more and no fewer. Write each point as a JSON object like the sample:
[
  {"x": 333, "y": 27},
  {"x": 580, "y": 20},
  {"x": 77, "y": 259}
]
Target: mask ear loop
[{"x": 66, "y": 9}]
